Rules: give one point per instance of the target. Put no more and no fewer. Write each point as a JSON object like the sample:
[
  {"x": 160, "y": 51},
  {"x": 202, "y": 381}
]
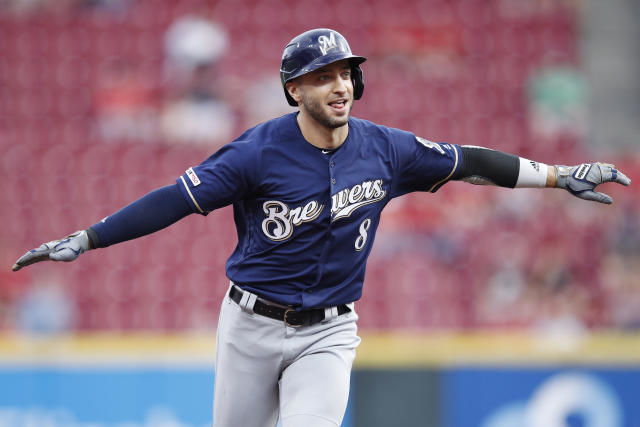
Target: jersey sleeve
[
  {"x": 422, "y": 165},
  {"x": 227, "y": 176}
]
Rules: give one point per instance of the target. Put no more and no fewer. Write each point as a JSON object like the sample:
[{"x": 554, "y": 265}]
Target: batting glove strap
[
  {"x": 66, "y": 249},
  {"x": 582, "y": 179}
]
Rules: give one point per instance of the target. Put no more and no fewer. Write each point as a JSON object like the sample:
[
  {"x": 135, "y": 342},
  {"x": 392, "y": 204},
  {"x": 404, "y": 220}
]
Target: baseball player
[{"x": 307, "y": 191}]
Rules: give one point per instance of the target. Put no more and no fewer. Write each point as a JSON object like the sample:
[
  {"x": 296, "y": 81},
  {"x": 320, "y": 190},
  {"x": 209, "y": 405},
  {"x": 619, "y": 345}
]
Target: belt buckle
[{"x": 286, "y": 322}]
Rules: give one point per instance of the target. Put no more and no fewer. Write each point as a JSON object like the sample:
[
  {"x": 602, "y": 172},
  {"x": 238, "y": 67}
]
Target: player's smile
[{"x": 339, "y": 105}]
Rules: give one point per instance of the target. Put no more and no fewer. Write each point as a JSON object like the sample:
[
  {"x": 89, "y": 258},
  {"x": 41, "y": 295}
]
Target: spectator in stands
[
  {"x": 45, "y": 308},
  {"x": 124, "y": 107},
  {"x": 261, "y": 100},
  {"x": 194, "y": 111},
  {"x": 557, "y": 101}
]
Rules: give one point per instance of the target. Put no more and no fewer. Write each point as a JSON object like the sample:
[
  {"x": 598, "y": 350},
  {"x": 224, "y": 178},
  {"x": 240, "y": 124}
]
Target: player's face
[{"x": 327, "y": 94}]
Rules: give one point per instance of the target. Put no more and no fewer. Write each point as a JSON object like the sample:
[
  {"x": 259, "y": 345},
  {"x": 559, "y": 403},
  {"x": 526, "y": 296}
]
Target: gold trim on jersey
[
  {"x": 455, "y": 165},
  {"x": 193, "y": 199}
]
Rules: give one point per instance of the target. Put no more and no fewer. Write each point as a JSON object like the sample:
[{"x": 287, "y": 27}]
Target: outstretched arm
[
  {"x": 485, "y": 166},
  {"x": 152, "y": 212}
]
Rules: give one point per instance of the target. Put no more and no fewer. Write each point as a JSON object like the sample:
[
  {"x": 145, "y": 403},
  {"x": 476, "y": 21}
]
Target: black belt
[{"x": 288, "y": 315}]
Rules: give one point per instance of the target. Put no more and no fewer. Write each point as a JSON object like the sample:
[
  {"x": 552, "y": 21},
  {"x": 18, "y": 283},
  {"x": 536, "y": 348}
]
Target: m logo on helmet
[{"x": 327, "y": 43}]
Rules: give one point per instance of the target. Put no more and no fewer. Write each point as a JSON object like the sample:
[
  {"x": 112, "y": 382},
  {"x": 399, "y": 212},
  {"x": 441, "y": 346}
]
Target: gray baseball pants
[{"x": 265, "y": 369}]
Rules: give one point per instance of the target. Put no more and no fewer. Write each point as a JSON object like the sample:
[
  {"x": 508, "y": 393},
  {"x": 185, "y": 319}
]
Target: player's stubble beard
[{"x": 316, "y": 111}]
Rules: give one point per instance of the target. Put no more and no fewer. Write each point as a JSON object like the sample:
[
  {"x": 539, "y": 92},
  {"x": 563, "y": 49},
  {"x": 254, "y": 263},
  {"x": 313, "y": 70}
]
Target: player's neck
[{"x": 319, "y": 135}]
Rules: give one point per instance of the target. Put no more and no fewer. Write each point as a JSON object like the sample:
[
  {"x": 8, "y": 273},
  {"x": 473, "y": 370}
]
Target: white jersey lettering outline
[
  {"x": 280, "y": 220},
  {"x": 346, "y": 201}
]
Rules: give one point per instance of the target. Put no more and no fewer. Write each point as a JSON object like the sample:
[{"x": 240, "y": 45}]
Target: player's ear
[{"x": 293, "y": 90}]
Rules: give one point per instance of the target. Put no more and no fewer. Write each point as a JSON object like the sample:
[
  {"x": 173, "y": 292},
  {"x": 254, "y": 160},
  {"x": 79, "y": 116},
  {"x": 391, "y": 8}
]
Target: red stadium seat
[{"x": 449, "y": 71}]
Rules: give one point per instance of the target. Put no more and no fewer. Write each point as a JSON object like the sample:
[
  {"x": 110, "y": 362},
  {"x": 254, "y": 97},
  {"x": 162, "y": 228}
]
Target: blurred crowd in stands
[{"x": 105, "y": 100}]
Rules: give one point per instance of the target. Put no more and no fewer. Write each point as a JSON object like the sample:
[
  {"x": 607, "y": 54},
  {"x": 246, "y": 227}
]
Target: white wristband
[{"x": 532, "y": 174}]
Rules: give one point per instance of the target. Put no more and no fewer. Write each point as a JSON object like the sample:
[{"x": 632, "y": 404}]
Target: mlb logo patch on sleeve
[
  {"x": 430, "y": 144},
  {"x": 193, "y": 177}
]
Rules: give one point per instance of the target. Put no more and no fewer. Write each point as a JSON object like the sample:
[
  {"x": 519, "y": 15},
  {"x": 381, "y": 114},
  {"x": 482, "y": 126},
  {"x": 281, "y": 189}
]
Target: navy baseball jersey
[{"x": 306, "y": 218}]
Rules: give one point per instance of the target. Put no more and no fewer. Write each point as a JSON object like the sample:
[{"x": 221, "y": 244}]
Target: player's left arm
[{"x": 485, "y": 166}]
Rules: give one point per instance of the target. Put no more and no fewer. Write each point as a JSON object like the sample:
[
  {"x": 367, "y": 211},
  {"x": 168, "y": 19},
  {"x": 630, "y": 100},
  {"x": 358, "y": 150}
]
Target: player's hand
[
  {"x": 582, "y": 179},
  {"x": 66, "y": 249}
]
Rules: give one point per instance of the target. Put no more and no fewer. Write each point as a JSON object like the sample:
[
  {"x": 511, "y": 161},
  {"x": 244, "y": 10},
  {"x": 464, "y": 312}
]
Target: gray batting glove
[
  {"x": 582, "y": 179},
  {"x": 66, "y": 249}
]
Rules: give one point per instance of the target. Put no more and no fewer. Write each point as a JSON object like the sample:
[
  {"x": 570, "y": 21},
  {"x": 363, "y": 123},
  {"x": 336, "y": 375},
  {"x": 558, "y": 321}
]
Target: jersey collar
[{"x": 292, "y": 131}]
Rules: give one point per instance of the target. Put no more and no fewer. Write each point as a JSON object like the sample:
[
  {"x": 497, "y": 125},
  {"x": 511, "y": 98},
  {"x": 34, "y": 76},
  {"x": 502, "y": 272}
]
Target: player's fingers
[
  {"x": 620, "y": 178},
  {"x": 596, "y": 197},
  {"x": 609, "y": 173},
  {"x": 31, "y": 257}
]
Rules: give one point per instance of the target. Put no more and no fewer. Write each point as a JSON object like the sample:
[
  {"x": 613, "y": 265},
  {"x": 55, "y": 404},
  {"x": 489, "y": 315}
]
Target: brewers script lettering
[
  {"x": 348, "y": 200},
  {"x": 280, "y": 220},
  {"x": 278, "y": 225}
]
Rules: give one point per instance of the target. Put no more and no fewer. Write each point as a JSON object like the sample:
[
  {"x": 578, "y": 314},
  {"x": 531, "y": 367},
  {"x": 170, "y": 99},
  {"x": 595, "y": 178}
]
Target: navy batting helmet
[{"x": 315, "y": 49}]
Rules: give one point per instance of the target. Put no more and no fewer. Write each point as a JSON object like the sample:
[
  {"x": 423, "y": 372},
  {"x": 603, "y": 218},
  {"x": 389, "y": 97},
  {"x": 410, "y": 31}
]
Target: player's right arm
[
  {"x": 150, "y": 213},
  {"x": 226, "y": 176}
]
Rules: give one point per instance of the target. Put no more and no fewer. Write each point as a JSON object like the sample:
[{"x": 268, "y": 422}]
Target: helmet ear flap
[
  {"x": 290, "y": 100},
  {"x": 357, "y": 77}
]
